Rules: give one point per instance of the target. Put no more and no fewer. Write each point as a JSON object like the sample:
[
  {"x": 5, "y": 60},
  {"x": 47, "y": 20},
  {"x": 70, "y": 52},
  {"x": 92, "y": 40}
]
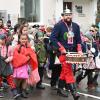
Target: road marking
[
  {"x": 46, "y": 84},
  {"x": 84, "y": 94},
  {"x": 88, "y": 95}
]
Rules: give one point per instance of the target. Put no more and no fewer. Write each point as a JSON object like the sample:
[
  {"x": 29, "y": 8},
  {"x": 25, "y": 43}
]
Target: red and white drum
[{"x": 75, "y": 58}]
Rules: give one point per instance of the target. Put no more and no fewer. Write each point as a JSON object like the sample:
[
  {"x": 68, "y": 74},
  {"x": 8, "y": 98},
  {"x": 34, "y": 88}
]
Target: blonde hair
[{"x": 49, "y": 29}]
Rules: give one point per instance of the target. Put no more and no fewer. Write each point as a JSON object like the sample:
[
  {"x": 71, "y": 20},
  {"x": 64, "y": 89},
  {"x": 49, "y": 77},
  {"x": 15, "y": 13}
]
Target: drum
[{"x": 75, "y": 58}]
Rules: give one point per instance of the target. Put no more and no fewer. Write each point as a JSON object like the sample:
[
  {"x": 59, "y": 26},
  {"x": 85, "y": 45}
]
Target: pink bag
[
  {"x": 21, "y": 72},
  {"x": 33, "y": 77}
]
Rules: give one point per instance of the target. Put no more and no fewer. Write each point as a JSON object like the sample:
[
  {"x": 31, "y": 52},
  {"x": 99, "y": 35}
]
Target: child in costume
[
  {"x": 42, "y": 57},
  {"x": 6, "y": 56},
  {"x": 23, "y": 55},
  {"x": 90, "y": 48}
]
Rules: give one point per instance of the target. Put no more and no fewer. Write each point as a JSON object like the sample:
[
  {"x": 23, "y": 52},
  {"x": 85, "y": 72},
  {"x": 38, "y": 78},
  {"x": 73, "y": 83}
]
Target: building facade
[
  {"x": 84, "y": 11},
  {"x": 49, "y": 11},
  {"x": 10, "y": 9}
]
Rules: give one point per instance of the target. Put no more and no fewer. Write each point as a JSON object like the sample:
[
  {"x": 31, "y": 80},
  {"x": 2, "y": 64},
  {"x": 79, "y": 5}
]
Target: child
[
  {"x": 49, "y": 51},
  {"x": 42, "y": 57},
  {"x": 90, "y": 48},
  {"x": 6, "y": 56},
  {"x": 23, "y": 54},
  {"x": 24, "y": 29},
  {"x": 15, "y": 35}
]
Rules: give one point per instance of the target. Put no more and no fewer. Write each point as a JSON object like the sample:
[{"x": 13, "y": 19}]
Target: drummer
[
  {"x": 89, "y": 47},
  {"x": 65, "y": 37}
]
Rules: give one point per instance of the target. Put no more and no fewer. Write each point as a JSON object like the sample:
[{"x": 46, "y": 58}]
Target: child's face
[
  {"x": 23, "y": 39},
  {"x": 48, "y": 33},
  {"x": 86, "y": 39},
  {"x": 1, "y": 23},
  {"x": 25, "y": 30}
]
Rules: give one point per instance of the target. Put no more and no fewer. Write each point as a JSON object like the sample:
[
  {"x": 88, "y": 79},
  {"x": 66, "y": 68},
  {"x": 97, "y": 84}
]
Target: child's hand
[
  {"x": 89, "y": 51},
  {"x": 28, "y": 58},
  {"x": 6, "y": 60},
  {"x": 80, "y": 52},
  {"x": 27, "y": 54}
]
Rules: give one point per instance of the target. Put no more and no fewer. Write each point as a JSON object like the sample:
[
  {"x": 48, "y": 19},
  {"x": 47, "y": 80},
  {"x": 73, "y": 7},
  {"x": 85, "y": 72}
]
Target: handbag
[
  {"x": 5, "y": 68},
  {"x": 90, "y": 64},
  {"x": 21, "y": 72},
  {"x": 33, "y": 77}
]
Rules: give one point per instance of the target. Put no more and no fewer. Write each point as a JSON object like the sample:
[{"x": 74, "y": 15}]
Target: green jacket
[{"x": 41, "y": 52}]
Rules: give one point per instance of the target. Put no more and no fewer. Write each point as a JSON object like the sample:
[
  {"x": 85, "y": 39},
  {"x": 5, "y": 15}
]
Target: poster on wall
[{"x": 79, "y": 10}]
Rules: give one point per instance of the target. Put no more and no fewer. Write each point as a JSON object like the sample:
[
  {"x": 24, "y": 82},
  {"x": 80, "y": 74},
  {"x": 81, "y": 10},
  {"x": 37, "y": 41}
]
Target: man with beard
[{"x": 65, "y": 37}]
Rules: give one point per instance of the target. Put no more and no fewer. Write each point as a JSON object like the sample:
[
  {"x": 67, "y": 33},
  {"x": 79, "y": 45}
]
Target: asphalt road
[{"x": 49, "y": 94}]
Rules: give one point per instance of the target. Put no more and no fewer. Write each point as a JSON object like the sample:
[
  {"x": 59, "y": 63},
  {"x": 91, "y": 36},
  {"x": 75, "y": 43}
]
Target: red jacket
[{"x": 21, "y": 58}]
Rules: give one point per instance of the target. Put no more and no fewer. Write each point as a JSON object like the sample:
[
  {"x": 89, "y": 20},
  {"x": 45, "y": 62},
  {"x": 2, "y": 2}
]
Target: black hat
[
  {"x": 2, "y": 36},
  {"x": 36, "y": 26},
  {"x": 9, "y": 21}
]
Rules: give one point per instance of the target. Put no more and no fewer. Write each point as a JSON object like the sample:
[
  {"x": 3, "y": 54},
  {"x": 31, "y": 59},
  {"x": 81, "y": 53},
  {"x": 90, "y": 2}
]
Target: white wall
[
  {"x": 86, "y": 20},
  {"x": 50, "y": 9},
  {"x": 89, "y": 11},
  {"x": 59, "y": 9},
  {"x": 89, "y": 8},
  {"x": 12, "y": 7},
  {"x": 47, "y": 10}
]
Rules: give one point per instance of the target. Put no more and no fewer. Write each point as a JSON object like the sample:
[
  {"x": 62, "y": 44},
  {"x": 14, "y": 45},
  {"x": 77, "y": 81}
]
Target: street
[
  {"x": 49, "y": 94},
  {"x": 43, "y": 39}
]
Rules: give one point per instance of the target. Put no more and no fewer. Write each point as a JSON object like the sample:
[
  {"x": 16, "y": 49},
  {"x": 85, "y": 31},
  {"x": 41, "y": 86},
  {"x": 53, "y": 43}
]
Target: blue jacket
[{"x": 57, "y": 35}]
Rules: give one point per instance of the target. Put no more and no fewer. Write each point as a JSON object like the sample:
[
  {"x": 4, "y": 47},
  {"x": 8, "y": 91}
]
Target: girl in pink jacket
[{"x": 6, "y": 56}]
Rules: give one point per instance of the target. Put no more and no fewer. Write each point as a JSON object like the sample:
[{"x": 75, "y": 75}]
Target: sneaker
[
  {"x": 23, "y": 94},
  {"x": 91, "y": 87},
  {"x": 62, "y": 93},
  {"x": 1, "y": 89},
  {"x": 1, "y": 95}
]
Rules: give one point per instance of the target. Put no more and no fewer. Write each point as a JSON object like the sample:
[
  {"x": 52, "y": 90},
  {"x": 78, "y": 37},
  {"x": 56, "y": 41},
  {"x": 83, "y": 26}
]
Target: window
[
  {"x": 67, "y": 5},
  {"x": 30, "y": 10},
  {"x": 79, "y": 9},
  {"x": 3, "y": 15}
]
